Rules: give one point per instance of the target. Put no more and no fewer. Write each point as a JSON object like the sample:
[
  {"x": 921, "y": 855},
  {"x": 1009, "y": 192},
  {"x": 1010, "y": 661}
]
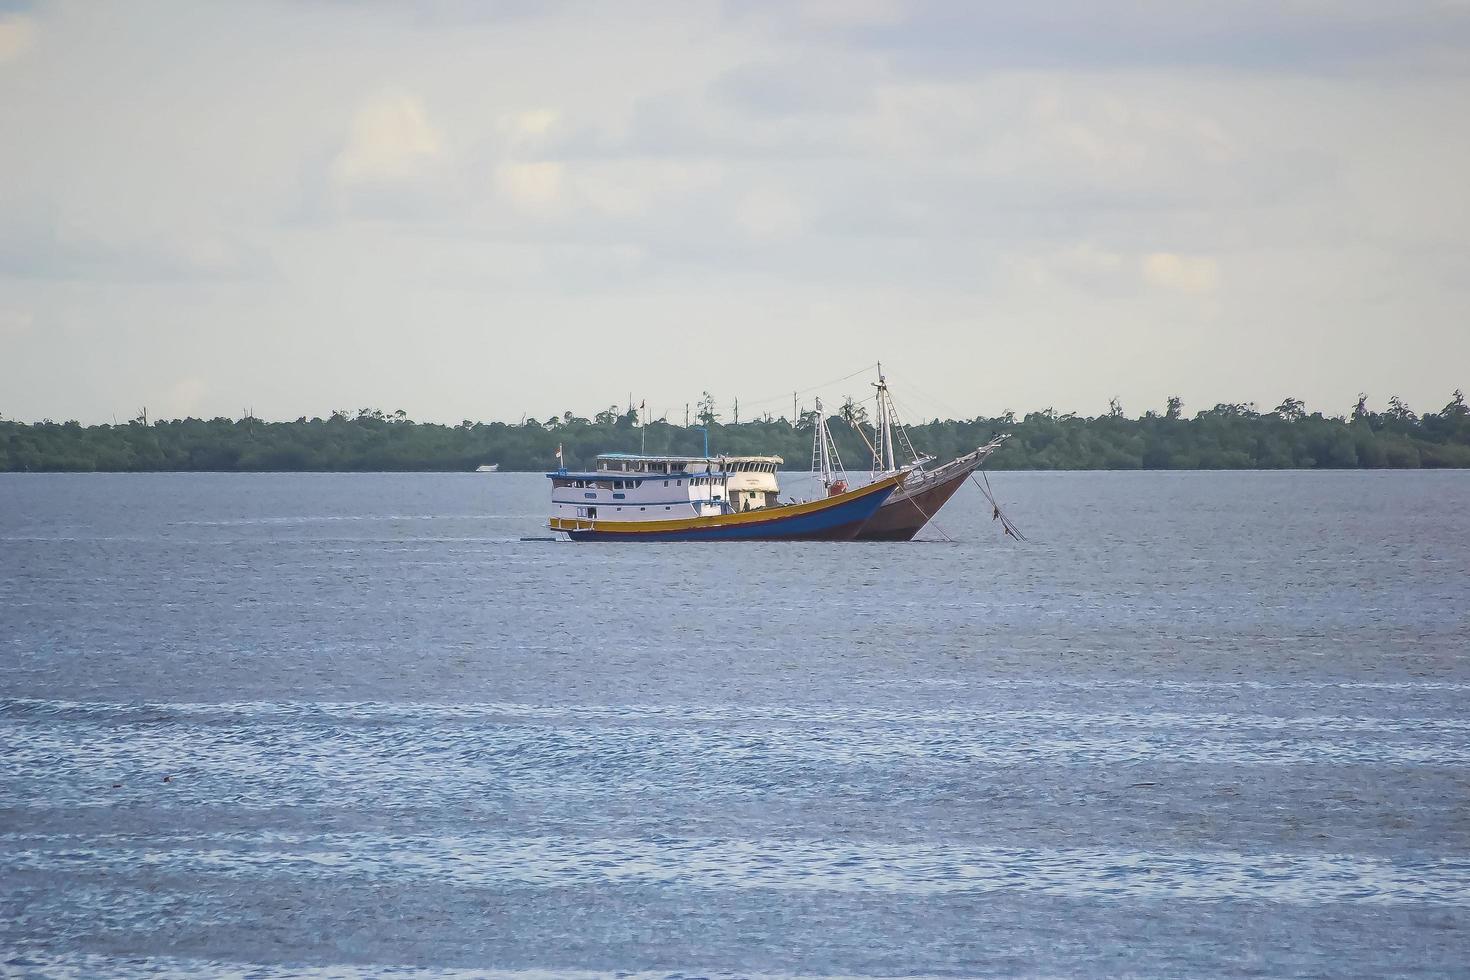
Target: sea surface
[{"x": 1200, "y": 724}]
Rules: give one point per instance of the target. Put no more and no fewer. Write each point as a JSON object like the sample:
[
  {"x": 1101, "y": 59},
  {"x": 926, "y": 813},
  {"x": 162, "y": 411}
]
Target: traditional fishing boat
[
  {"x": 689, "y": 498},
  {"x": 914, "y": 503},
  {"x": 905, "y": 512},
  {"x": 902, "y": 517}
]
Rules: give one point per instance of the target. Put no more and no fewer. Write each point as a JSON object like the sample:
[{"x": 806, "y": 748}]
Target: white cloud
[
  {"x": 1085, "y": 265},
  {"x": 848, "y": 13},
  {"x": 1051, "y": 181},
  {"x": 15, "y": 323},
  {"x": 391, "y": 139},
  {"x": 532, "y": 186},
  {"x": 530, "y": 128},
  {"x": 1185, "y": 273},
  {"x": 767, "y": 213},
  {"x": 17, "y": 35}
]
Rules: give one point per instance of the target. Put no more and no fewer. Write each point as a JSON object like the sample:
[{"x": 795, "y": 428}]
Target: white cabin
[
  {"x": 752, "y": 481},
  {"x": 625, "y": 487},
  {"x": 630, "y": 487}
]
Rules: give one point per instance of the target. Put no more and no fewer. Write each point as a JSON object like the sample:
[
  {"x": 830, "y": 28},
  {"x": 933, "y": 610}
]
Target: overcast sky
[{"x": 479, "y": 210}]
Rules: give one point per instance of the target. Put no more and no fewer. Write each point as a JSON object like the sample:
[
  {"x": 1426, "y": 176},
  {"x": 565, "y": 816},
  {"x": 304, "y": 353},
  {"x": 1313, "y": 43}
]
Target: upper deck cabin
[
  {"x": 750, "y": 481},
  {"x": 631, "y": 487},
  {"x": 625, "y": 487},
  {"x": 655, "y": 465}
]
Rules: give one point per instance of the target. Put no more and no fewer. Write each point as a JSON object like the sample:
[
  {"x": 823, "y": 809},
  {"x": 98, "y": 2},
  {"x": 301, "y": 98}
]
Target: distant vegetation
[{"x": 1222, "y": 437}]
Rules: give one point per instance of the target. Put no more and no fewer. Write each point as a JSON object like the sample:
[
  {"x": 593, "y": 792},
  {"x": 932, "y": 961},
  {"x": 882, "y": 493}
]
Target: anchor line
[
  {"x": 929, "y": 519},
  {"x": 996, "y": 513}
]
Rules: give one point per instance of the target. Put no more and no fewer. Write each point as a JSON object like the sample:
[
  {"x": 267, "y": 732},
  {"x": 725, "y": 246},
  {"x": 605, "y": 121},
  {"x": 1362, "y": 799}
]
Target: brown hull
[
  {"x": 900, "y": 520},
  {"x": 921, "y": 495}
]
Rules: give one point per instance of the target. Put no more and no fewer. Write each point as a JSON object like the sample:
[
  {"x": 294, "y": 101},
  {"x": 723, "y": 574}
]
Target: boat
[
  {"x": 913, "y": 505},
  {"x": 688, "y": 498},
  {"x": 488, "y": 468},
  {"x": 905, "y": 512}
]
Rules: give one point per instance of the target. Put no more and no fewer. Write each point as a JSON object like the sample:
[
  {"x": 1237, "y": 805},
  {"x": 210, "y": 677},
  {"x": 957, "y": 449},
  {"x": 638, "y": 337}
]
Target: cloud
[
  {"x": 1083, "y": 265},
  {"x": 15, "y": 323},
  {"x": 41, "y": 244},
  {"x": 1184, "y": 273},
  {"x": 17, "y": 35},
  {"x": 766, "y": 213},
  {"x": 847, "y": 13},
  {"x": 534, "y": 186},
  {"x": 390, "y": 140},
  {"x": 938, "y": 37},
  {"x": 528, "y": 129},
  {"x": 1068, "y": 169},
  {"x": 798, "y": 87}
]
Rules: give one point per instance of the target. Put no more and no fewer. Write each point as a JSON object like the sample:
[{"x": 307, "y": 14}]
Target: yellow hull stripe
[{"x": 720, "y": 520}]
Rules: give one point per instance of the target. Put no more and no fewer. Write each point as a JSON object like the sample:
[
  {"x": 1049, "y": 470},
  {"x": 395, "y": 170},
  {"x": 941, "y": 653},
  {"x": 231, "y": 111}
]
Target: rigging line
[
  {"x": 939, "y": 403},
  {"x": 863, "y": 435},
  {"x": 929, "y": 519},
  {"x": 903, "y": 428},
  {"x": 807, "y": 391},
  {"x": 1005, "y": 521}
]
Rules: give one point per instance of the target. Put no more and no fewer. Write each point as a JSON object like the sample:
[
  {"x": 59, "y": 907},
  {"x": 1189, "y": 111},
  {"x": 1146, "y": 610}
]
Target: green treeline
[{"x": 1223, "y": 437}]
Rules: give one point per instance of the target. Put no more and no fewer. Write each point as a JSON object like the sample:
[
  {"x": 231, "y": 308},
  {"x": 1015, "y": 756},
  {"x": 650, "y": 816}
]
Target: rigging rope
[
  {"x": 931, "y": 520},
  {"x": 996, "y": 513},
  {"x": 806, "y": 391}
]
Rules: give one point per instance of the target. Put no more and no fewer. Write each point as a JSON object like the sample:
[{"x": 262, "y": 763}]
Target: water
[{"x": 352, "y": 725}]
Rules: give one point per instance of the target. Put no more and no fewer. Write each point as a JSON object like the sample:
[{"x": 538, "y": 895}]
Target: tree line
[{"x": 1227, "y": 436}]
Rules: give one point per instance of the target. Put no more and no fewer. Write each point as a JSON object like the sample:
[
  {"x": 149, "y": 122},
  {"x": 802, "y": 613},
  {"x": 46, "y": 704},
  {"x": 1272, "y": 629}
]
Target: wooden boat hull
[
  {"x": 909, "y": 508},
  {"x": 900, "y": 520},
  {"x": 838, "y": 518}
]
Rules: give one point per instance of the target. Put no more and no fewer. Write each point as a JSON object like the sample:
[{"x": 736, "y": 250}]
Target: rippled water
[{"x": 1204, "y": 724}]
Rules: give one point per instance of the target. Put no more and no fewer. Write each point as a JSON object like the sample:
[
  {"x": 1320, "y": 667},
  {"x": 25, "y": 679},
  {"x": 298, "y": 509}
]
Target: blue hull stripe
[{"x": 837, "y": 522}]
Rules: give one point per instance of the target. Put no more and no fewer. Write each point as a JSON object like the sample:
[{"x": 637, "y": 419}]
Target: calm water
[{"x": 1203, "y": 724}]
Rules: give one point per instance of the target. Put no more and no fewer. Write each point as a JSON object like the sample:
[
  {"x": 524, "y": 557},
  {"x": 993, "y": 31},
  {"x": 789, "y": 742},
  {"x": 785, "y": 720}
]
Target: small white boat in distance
[{"x": 488, "y": 468}]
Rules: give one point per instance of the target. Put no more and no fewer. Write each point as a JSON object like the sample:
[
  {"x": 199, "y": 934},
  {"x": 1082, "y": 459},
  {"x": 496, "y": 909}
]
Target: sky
[{"x": 480, "y": 210}]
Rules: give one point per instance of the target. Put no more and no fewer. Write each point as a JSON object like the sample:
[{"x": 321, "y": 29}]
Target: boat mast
[
  {"x": 821, "y": 464},
  {"x": 887, "y": 420},
  {"x": 826, "y": 463},
  {"x": 883, "y": 461}
]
